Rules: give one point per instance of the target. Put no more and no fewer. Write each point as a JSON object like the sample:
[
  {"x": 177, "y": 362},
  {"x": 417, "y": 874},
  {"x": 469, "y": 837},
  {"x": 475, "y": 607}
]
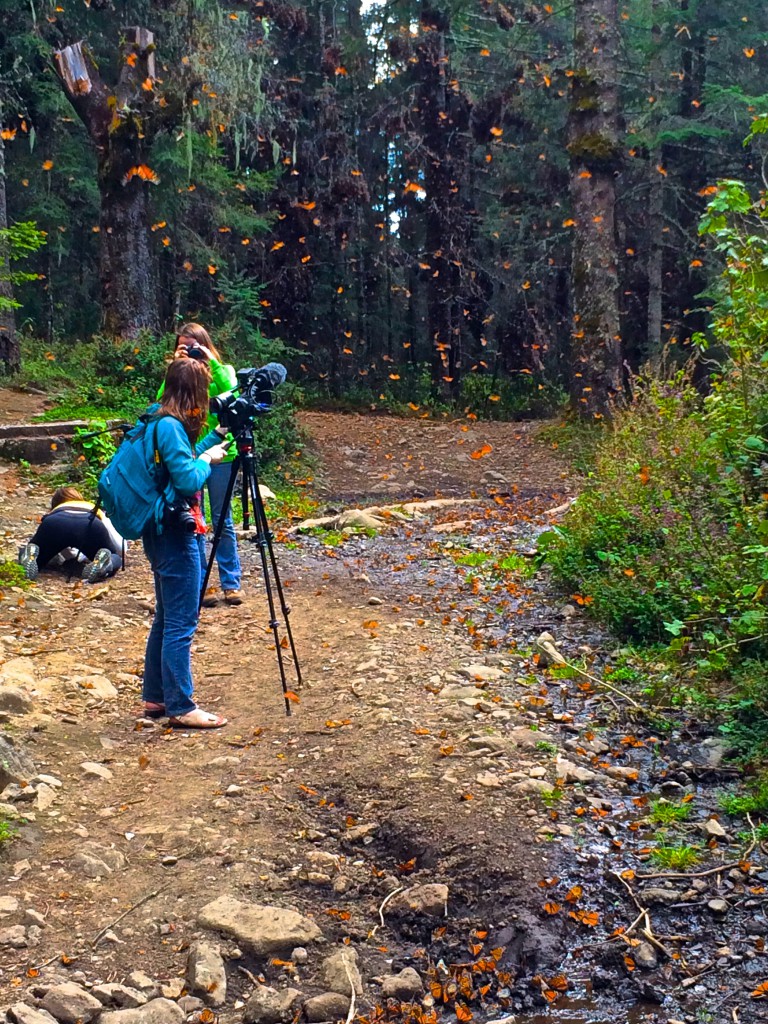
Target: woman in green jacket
[{"x": 223, "y": 378}]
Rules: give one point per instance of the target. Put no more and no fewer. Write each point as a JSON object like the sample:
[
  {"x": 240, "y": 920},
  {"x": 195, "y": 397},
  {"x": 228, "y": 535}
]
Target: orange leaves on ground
[
  {"x": 486, "y": 449},
  {"x": 306, "y": 206},
  {"x": 370, "y": 624},
  {"x": 332, "y": 724},
  {"x": 644, "y": 475},
  {"x": 761, "y": 992}
]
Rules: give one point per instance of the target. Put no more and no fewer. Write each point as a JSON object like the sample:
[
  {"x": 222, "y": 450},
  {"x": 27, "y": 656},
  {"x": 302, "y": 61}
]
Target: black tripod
[{"x": 251, "y": 497}]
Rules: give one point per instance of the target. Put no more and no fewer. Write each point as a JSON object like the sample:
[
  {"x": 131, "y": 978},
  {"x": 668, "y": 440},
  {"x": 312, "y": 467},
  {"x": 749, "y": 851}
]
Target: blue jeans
[
  {"x": 175, "y": 559},
  {"x": 227, "y": 557}
]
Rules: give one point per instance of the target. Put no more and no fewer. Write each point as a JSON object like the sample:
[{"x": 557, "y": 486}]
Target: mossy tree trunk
[
  {"x": 120, "y": 123},
  {"x": 595, "y": 159},
  {"x": 10, "y": 357}
]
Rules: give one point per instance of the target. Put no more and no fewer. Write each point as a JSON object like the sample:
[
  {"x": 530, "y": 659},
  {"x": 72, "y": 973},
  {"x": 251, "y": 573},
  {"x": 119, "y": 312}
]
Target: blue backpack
[{"x": 131, "y": 487}]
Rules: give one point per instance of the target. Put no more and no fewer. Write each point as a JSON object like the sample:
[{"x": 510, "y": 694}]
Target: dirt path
[{"x": 429, "y": 747}]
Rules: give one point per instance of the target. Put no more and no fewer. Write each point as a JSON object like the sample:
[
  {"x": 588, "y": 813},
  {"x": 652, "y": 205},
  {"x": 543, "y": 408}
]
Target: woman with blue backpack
[{"x": 171, "y": 541}]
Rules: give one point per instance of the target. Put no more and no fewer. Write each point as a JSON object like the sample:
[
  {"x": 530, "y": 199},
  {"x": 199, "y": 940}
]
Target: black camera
[
  {"x": 254, "y": 395},
  {"x": 178, "y": 517},
  {"x": 194, "y": 352}
]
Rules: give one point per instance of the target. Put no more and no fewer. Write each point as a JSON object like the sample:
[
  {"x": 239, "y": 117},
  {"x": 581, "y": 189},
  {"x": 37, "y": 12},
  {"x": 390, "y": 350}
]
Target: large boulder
[
  {"x": 428, "y": 899},
  {"x": 263, "y": 929},
  {"x": 20, "y": 1013}
]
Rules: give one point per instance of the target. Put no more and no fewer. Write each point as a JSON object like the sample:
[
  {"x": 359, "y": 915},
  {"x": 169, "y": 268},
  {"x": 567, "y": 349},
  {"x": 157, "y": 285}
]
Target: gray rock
[
  {"x": 644, "y": 956},
  {"x": 331, "y": 1006},
  {"x": 14, "y": 701},
  {"x": 18, "y": 672},
  {"x": 262, "y": 928},
  {"x": 191, "y": 1003},
  {"x": 44, "y": 796},
  {"x": 570, "y": 772},
  {"x": 300, "y": 955},
  {"x": 404, "y": 986},
  {"x": 719, "y": 907},
  {"x": 15, "y": 764},
  {"x": 340, "y": 972},
  {"x": 655, "y": 894},
  {"x": 268, "y": 1006},
  {"x": 532, "y": 787},
  {"x": 71, "y": 1004},
  {"x": 95, "y": 770},
  {"x": 712, "y": 827},
  {"x": 14, "y": 936},
  {"x": 8, "y": 905},
  {"x": 359, "y": 833},
  {"x": 94, "y": 861},
  {"x": 141, "y": 981},
  {"x": 119, "y": 995},
  {"x": 206, "y": 976},
  {"x": 482, "y": 673},
  {"x": 458, "y": 692},
  {"x": 422, "y": 899},
  {"x": 98, "y": 686},
  {"x": 157, "y": 1011},
  {"x": 20, "y": 1013}
]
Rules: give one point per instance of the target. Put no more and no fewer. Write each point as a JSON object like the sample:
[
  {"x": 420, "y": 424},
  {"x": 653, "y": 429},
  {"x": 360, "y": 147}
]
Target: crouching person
[{"x": 75, "y": 537}]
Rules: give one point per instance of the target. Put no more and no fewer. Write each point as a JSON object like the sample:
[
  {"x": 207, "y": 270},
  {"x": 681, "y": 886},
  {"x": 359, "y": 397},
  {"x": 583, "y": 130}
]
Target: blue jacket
[{"x": 187, "y": 472}]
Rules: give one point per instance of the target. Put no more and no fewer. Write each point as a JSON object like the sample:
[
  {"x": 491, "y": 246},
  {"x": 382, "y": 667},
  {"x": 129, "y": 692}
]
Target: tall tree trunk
[
  {"x": 119, "y": 123},
  {"x": 595, "y": 158},
  {"x": 655, "y": 307},
  {"x": 10, "y": 357}
]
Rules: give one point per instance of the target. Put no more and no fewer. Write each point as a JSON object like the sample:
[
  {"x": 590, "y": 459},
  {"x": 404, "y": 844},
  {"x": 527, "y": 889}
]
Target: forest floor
[{"x": 431, "y": 745}]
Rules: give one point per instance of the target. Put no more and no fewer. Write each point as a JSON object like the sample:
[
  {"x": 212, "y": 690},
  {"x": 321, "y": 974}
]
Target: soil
[{"x": 405, "y": 781}]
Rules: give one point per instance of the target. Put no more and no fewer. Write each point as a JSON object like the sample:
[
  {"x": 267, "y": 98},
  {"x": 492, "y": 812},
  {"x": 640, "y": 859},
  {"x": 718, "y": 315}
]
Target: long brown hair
[
  {"x": 198, "y": 334},
  {"x": 185, "y": 395},
  {"x": 62, "y": 494}
]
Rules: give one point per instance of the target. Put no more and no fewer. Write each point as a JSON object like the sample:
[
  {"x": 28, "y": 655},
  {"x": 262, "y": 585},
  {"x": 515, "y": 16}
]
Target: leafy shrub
[
  {"x": 670, "y": 537},
  {"x": 12, "y": 575}
]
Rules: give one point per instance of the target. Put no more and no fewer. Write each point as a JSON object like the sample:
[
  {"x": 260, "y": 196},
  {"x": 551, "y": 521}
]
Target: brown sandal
[{"x": 197, "y": 719}]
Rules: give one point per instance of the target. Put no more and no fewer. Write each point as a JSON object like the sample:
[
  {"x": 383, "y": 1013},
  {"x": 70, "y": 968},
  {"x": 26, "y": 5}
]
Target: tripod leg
[
  {"x": 245, "y": 503},
  {"x": 219, "y": 529},
  {"x": 260, "y": 515},
  {"x": 263, "y": 542}
]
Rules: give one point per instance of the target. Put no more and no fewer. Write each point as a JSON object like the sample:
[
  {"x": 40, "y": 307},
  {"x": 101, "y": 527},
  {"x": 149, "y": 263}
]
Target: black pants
[{"x": 73, "y": 528}]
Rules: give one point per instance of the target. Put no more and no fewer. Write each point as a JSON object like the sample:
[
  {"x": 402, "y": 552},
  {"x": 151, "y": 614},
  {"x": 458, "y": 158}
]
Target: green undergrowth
[
  {"x": 412, "y": 393},
  {"x": 668, "y": 542},
  {"x": 107, "y": 379}
]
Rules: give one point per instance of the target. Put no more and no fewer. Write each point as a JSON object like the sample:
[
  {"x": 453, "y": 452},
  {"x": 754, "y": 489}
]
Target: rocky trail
[{"x": 454, "y": 824}]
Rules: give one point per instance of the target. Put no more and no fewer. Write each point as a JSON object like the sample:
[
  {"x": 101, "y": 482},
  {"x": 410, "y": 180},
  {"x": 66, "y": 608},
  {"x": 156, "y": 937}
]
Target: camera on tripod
[{"x": 253, "y": 396}]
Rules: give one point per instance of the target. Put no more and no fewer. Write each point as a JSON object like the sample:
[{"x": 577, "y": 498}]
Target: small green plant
[
  {"x": 473, "y": 558},
  {"x": 547, "y": 747},
  {"x": 12, "y": 575},
  {"x": 665, "y": 813},
  {"x": 551, "y": 796},
  {"x": 676, "y": 857},
  {"x": 760, "y": 834},
  {"x": 754, "y": 801},
  {"x": 7, "y": 831}
]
